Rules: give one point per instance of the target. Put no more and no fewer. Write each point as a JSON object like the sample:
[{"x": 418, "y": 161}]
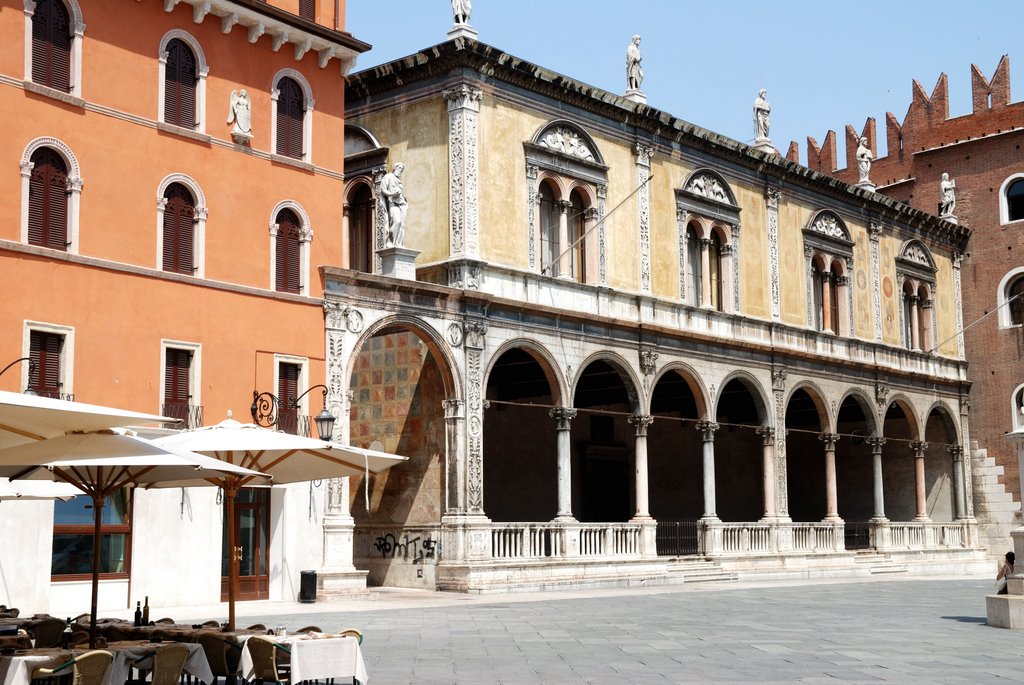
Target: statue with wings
[{"x": 239, "y": 114}]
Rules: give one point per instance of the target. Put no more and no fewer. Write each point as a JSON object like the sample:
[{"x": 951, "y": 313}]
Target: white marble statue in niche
[
  {"x": 240, "y": 114},
  {"x": 396, "y": 205},
  {"x": 947, "y": 195},
  {"x": 461, "y": 9}
]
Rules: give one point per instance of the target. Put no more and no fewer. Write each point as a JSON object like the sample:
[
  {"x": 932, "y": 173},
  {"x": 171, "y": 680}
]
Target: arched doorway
[
  {"x": 739, "y": 481},
  {"x": 939, "y": 478},
  {"x": 520, "y": 449},
  {"x": 805, "y": 456},
  {"x": 854, "y": 471},
  {"x": 900, "y": 430}
]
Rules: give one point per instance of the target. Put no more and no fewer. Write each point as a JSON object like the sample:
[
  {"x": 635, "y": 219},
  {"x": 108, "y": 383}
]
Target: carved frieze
[{"x": 568, "y": 142}]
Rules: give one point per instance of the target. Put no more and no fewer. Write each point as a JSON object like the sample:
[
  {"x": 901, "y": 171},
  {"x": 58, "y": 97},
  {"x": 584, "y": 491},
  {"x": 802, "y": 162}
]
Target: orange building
[{"x": 174, "y": 179}]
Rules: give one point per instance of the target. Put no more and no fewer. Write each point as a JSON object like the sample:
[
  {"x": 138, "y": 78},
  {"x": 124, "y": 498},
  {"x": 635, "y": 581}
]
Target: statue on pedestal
[
  {"x": 396, "y": 205},
  {"x": 864, "y": 158},
  {"x": 462, "y": 9},
  {"x": 240, "y": 113},
  {"x": 947, "y": 196},
  {"x": 634, "y": 72},
  {"x": 761, "y": 119}
]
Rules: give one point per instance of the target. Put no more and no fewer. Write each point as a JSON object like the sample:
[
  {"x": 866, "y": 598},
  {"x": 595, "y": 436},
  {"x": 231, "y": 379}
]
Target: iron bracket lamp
[
  {"x": 31, "y": 373},
  {"x": 265, "y": 413}
]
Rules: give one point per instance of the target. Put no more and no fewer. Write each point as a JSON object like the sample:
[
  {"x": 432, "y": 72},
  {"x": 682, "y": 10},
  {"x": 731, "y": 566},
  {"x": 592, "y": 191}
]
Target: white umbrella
[
  {"x": 36, "y": 490},
  {"x": 24, "y": 418},
  {"x": 288, "y": 458},
  {"x": 102, "y": 462}
]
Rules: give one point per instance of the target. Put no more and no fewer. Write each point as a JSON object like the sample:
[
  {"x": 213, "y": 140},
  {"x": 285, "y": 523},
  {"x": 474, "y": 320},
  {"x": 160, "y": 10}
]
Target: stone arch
[
  {"x": 691, "y": 377},
  {"x": 624, "y": 370},
  {"x": 817, "y": 395},
  {"x": 358, "y": 139},
  {"x": 543, "y": 358},
  {"x": 557, "y": 135},
  {"x": 829, "y": 224},
  {"x": 188, "y": 182},
  {"x": 943, "y": 409},
  {"x": 62, "y": 148},
  {"x": 74, "y": 9},
  {"x": 906, "y": 405},
  {"x": 807, "y": 420},
  {"x": 201, "y": 65},
  {"x": 754, "y": 387},
  {"x": 867, "y": 406},
  {"x": 709, "y": 183},
  {"x": 917, "y": 253},
  {"x": 297, "y": 208},
  {"x": 307, "y": 91}
]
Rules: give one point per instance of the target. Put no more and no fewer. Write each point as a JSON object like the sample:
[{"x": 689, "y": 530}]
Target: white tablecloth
[
  {"x": 316, "y": 658},
  {"x": 17, "y": 669}
]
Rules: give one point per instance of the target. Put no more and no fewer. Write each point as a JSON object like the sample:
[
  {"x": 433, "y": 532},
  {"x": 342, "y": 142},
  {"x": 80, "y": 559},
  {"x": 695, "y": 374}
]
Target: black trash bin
[{"x": 307, "y": 587}]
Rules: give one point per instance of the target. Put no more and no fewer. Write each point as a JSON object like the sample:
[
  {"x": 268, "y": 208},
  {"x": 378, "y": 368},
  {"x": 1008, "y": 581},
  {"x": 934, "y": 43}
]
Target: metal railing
[
  {"x": 189, "y": 415},
  {"x": 55, "y": 394},
  {"x": 294, "y": 423},
  {"x": 677, "y": 538}
]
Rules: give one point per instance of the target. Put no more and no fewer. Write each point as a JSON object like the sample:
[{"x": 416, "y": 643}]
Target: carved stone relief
[
  {"x": 463, "y": 110},
  {"x": 643, "y": 168},
  {"x": 568, "y": 142},
  {"x": 708, "y": 186},
  {"x": 830, "y": 225},
  {"x": 875, "y": 232}
]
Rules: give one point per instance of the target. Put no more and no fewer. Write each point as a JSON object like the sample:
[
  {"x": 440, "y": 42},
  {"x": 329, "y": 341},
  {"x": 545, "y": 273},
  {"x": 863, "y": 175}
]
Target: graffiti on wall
[{"x": 415, "y": 550}]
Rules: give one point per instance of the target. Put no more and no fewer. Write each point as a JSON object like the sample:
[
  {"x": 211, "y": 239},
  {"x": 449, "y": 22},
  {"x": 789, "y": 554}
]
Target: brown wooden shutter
[
  {"x": 179, "y": 230},
  {"x": 176, "y": 376},
  {"x": 180, "y": 85},
  {"x": 44, "y": 351},
  {"x": 287, "y": 391},
  {"x": 291, "y": 108},
  {"x": 51, "y": 45},
  {"x": 286, "y": 268},
  {"x": 307, "y": 9},
  {"x": 48, "y": 200}
]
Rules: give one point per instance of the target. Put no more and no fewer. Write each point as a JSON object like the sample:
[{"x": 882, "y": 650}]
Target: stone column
[
  {"x": 455, "y": 456},
  {"x": 915, "y": 331},
  {"x": 705, "y": 273},
  {"x": 826, "y": 301},
  {"x": 920, "y": 448},
  {"x": 346, "y": 235},
  {"x": 640, "y": 423},
  {"x": 831, "y": 500},
  {"x": 563, "y": 417},
  {"x": 876, "y": 444},
  {"x": 767, "y": 435},
  {"x": 707, "y": 433},
  {"x": 564, "y": 268},
  {"x": 959, "y": 496},
  {"x": 928, "y": 314}
]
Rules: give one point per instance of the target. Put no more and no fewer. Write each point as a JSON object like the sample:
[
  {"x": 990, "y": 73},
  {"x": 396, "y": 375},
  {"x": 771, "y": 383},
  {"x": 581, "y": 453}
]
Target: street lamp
[
  {"x": 264, "y": 411},
  {"x": 31, "y": 372}
]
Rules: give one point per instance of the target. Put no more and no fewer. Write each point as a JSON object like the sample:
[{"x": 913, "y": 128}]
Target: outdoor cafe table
[
  {"x": 17, "y": 669},
  {"x": 315, "y": 657}
]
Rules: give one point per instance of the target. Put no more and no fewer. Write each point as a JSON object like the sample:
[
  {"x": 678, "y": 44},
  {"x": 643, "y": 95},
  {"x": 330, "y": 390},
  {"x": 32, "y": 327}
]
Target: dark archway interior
[
  {"x": 739, "y": 489},
  {"x": 674, "y": 452},
  {"x": 854, "y": 480},
  {"x": 940, "y": 434},
  {"x": 520, "y": 452},
  {"x": 805, "y": 459},
  {"x": 898, "y": 481}
]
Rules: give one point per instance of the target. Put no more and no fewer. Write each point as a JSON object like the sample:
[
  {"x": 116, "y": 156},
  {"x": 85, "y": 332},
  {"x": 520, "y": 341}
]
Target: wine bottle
[
  {"x": 138, "y": 613},
  {"x": 145, "y": 612}
]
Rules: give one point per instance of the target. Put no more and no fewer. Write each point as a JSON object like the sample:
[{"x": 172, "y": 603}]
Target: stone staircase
[
  {"x": 684, "y": 570},
  {"x": 877, "y": 563},
  {"x": 994, "y": 508}
]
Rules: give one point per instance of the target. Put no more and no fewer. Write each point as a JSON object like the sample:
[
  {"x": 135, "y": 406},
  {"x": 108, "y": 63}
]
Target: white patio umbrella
[
  {"x": 24, "y": 418},
  {"x": 35, "y": 490},
  {"x": 287, "y": 458},
  {"x": 102, "y": 462}
]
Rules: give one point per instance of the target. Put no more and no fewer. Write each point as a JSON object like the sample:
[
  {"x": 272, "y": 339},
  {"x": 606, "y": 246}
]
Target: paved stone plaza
[{"x": 838, "y": 632}]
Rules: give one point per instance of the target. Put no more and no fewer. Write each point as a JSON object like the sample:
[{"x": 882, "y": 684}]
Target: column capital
[
  {"x": 463, "y": 97},
  {"x": 767, "y": 435},
  {"x": 707, "y": 429},
  {"x": 830, "y": 440},
  {"x": 454, "y": 409},
  {"x": 919, "y": 447},
  {"x": 640, "y": 423},
  {"x": 956, "y": 451},
  {"x": 876, "y": 442},
  {"x": 563, "y": 416},
  {"x": 563, "y": 206}
]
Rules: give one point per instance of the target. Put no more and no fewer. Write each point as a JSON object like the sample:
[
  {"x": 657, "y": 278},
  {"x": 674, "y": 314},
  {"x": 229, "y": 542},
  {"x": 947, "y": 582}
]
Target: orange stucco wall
[{"x": 112, "y": 292}]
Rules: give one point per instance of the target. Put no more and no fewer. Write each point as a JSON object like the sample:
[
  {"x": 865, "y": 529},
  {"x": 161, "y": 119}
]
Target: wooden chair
[
  {"x": 211, "y": 624},
  {"x": 257, "y": 626},
  {"x": 164, "y": 620},
  {"x": 168, "y": 663},
  {"x": 87, "y": 669},
  {"x": 265, "y": 666},
  {"x": 352, "y": 632},
  {"x": 310, "y": 629},
  {"x": 222, "y": 655},
  {"x": 48, "y": 632}
]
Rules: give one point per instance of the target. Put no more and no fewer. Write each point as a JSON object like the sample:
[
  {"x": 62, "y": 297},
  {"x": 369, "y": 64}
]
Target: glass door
[{"x": 252, "y": 537}]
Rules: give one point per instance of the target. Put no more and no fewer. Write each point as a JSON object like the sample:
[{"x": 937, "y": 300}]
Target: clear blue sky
[{"x": 825, "y": 64}]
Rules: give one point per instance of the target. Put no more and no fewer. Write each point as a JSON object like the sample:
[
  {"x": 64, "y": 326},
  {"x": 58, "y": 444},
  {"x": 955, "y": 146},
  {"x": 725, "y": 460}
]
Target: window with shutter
[
  {"x": 291, "y": 110},
  {"x": 287, "y": 391},
  {"x": 51, "y": 45},
  {"x": 48, "y": 200},
  {"x": 361, "y": 230},
  {"x": 177, "y": 388},
  {"x": 180, "y": 85},
  {"x": 179, "y": 225},
  {"x": 45, "y": 353},
  {"x": 286, "y": 268},
  {"x": 307, "y": 9}
]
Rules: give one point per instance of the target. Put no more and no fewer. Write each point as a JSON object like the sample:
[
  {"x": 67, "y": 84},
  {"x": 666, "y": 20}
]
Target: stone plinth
[
  {"x": 1007, "y": 611},
  {"x": 462, "y": 31},
  {"x": 399, "y": 262},
  {"x": 636, "y": 95},
  {"x": 867, "y": 185}
]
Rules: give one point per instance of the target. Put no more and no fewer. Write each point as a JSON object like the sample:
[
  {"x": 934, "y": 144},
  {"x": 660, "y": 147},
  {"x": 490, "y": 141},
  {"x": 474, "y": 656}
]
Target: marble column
[
  {"x": 959, "y": 496},
  {"x": 826, "y": 301},
  {"x": 564, "y": 253},
  {"x": 876, "y": 444},
  {"x": 767, "y": 435},
  {"x": 640, "y": 423},
  {"x": 563, "y": 417},
  {"x": 831, "y": 499},
  {"x": 455, "y": 449},
  {"x": 920, "y": 448},
  {"x": 915, "y": 330},
  {"x": 705, "y": 273},
  {"x": 346, "y": 237},
  {"x": 707, "y": 432}
]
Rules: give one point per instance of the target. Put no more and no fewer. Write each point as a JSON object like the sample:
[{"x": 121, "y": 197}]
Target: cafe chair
[
  {"x": 310, "y": 629},
  {"x": 265, "y": 665},
  {"x": 164, "y": 620},
  {"x": 222, "y": 655},
  {"x": 168, "y": 663},
  {"x": 211, "y": 624},
  {"x": 87, "y": 669},
  {"x": 9, "y": 612},
  {"x": 84, "y": 619},
  {"x": 79, "y": 637},
  {"x": 257, "y": 626},
  {"x": 351, "y": 632},
  {"x": 48, "y": 632}
]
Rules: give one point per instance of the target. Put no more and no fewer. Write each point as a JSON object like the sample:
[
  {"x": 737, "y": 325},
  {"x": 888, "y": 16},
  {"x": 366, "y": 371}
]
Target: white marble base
[
  {"x": 340, "y": 583},
  {"x": 950, "y": 218},
  {"x": 1005, "y": 611},
  {"x": 462, "y": 31},
  {"x": 765, "y": 145},
  {"x": 399, "y": 262},
  {"x": 636, "y": 95},
  {"x": 867, "y": 185},
  {"x": 241, "y": 138}
]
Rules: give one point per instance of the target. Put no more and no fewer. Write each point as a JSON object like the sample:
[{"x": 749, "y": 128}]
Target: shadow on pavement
[{"x": 967, "y": 619}]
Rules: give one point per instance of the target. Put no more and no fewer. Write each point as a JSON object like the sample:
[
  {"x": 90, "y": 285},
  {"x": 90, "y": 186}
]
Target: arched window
[
  {"x": 835, "y": 276},
  {"x": 178, "y": 231},
  {"x": 549, "y": 246},
  {"x": 287, "y": 259},
  {"x": 48, "y": 200},
  {"x": 51, "y": 45},
  {"x": 909, "y": 313},
  {"x": 1015, "y": 200},
  {"x": 360, "y": 229},
  {"x": 291, "y": 112},
  {"x": 180, "y": 80},
  {"x": 694, "y": 270},
  {"x": 577, "y": 233},
  {"x": 715, "y": 270},
  {"x": 818, "y": 278},
  {"x": 1015, "y": 291},
  {"x": 1018, "y": 408}
]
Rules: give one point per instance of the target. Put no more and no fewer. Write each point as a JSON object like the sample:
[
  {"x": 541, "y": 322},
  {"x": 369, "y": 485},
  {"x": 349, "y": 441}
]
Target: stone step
[
  {"x": 698, "y": 571},
  {"x": 888, "y": 567}
]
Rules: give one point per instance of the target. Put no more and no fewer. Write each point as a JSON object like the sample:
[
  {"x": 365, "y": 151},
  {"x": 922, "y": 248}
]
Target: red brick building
[{"x": 981, "y": 151}]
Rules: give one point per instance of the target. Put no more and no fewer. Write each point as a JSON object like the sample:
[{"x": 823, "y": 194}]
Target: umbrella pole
[
  {"x": 229, "y": 493},
  {"x": 97, "y": 515}
]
